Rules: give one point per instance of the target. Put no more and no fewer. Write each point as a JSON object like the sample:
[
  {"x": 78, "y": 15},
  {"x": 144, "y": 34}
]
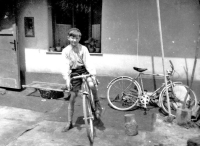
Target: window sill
[
  {"x": 54, "y": 53},
  {"x": 92, "y": 54},
  {"x": 96, "y": 54}
]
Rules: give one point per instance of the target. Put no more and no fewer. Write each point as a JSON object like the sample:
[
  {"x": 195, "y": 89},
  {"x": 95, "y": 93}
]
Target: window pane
[{"x": 83, "y": 14}]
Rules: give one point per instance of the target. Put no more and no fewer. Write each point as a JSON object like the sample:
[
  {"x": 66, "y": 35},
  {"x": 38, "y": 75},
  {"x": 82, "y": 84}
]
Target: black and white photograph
[{"x": 100, "y": 73}]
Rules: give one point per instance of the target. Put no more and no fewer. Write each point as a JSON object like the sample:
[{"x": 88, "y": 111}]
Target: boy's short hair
[{"x": 74, "y": 32}]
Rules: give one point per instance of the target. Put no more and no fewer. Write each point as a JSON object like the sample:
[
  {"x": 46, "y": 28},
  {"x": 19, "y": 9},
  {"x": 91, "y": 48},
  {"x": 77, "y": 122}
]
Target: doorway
[{"x": 9, "y": 64}]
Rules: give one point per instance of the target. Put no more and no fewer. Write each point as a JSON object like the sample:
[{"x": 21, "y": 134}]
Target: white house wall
[
  {"x": 110, "y": 64},
  {"x": 129, "y": 34},
  {"x": 43, "y": 39}
]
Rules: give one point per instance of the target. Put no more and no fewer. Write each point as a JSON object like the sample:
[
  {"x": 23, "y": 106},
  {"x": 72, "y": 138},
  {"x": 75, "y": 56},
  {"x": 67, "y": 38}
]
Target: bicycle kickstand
[{"x": 145, "y": 111}]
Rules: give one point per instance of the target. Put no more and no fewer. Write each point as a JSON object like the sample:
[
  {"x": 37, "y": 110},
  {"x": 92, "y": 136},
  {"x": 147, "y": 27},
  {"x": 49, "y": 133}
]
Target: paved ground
[{"x": 27, "y": 119}]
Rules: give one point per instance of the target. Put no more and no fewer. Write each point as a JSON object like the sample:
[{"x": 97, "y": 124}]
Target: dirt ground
[{"x": 50, "y": 116}]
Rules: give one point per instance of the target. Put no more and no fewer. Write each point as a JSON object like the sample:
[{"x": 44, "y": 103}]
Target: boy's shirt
[{"x": 72, "y": 60}]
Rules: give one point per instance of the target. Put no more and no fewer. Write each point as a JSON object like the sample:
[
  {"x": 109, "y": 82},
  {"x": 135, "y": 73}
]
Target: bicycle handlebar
[
  {"x": 170, "y": 73},
  {"x": 171, "y": 64},
  {"x": 78, "y": 77},
  {"x": 81, "y": 76}
]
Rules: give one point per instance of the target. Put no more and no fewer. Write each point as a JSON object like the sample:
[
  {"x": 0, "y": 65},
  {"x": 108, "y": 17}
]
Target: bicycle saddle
[{"x": 139, "y": 69}]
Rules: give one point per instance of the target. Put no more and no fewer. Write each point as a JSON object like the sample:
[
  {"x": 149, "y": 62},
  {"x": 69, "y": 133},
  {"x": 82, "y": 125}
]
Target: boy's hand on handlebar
[
  {"x": 93, "y": 77},
  {"x": 95, "y": 80}
]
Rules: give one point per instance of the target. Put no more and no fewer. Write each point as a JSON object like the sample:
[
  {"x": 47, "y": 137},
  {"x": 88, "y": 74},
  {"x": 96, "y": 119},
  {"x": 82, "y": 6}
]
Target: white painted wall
[
  {"x": 111, "y": 65},
  {"x": 129, "y": 27},
  {"x": 119, "y": 55},
  {"x": 40, "y": 10}
]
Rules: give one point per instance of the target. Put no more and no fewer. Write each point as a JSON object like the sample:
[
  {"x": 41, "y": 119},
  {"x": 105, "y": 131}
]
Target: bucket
[
  {"x": 131, "y": 127},
  {"x": 183, "y": 116}
]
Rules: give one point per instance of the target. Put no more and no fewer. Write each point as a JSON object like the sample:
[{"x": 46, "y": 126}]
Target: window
[
  {"x": 82, "y": 14},
  {"x": 29, "y": 26}
]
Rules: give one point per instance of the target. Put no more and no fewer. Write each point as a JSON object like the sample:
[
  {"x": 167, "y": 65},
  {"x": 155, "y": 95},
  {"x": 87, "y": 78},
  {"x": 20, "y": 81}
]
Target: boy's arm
[
  {"x": 66, "y": 68},
  {"x": 88, "y": 63}
]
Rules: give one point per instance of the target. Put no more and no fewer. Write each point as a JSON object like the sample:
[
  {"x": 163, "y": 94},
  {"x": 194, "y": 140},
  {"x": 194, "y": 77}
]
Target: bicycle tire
[
  {"x": 122, "y": 93},
  {"x": 88, "y": 118},
  {"x": 175, "y": 100},
  {"x": 92, "y": 100}
]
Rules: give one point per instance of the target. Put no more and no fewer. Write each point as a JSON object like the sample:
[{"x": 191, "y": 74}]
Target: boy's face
[{"x": 74, "y": 41}]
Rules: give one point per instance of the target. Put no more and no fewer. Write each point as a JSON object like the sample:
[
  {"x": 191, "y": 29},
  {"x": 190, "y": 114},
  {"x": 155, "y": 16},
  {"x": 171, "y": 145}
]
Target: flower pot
[
  {"x": 58, "y": 49},
  {"x": 51, "y": 49}
]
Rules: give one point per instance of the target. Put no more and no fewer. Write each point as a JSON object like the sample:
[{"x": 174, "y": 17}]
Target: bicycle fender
[
  {"x": 109, "y": 84},
  {"x": 177, "y": 83},
  {"x": 86, "y": 93}
]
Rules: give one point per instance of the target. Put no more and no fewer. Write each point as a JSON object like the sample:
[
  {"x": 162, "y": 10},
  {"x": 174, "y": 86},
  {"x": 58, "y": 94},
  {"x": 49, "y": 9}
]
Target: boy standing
[{"x": 76, "y": 59}]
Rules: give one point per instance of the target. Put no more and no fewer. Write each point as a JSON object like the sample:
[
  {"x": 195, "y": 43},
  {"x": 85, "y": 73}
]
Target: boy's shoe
[
  {"x": 98, "y": 110},
  {"x": 67, "y": 127}
]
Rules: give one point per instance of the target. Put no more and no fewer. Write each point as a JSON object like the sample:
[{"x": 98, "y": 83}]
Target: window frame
[{"x": 91, "y": 30}]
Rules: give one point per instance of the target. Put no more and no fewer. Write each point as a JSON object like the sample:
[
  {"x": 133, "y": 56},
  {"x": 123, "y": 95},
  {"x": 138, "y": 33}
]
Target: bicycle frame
[
  {"x": 169, "y": 74},
  {"x": 125, "y": 93},
  {"x": 85, "y": 88},
  {"x": 139, "y": 78},
  {"x": 146, "y": 98},
  {"x": 86, "y": 91},
  {"x": 88, "y": 106}
]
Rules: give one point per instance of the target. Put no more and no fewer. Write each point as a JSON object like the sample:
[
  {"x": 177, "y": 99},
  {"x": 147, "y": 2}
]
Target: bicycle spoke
[
  {"x": 122, "y": 94},
  {"x": 88, "y": 118},
  {"x": 177, "y": 96},
  {"x": 117, "y": 87},
  {"x": 117, "y": 98}
]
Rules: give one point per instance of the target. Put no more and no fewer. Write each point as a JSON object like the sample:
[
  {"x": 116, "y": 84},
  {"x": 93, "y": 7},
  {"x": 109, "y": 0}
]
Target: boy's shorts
[{"x": 77, "y": 83}]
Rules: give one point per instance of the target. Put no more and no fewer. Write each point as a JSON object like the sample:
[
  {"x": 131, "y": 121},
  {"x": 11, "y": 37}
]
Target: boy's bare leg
[
  {"x": 93, "y": 87},
  {"x": 98, "y": 109},
  {"x": 70, "y": 111}
]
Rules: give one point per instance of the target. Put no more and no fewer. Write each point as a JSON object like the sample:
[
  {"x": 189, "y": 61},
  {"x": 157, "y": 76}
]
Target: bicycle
[
  {"x": 88, "y": 106},
  {"x": 124, "y": 92}
]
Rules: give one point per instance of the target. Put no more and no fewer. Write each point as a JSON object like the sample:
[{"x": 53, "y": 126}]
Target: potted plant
[
  {"x": 91, "y": 44},
  {"x": 58, "y": 47}
]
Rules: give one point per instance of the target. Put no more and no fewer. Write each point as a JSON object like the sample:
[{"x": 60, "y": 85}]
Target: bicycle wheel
[
  {"x": 92, "y": 100},
  {"x": 177, "y": 93},
  {"x": 122, "y": 93},
  {"x": 88, "y": 118}
]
